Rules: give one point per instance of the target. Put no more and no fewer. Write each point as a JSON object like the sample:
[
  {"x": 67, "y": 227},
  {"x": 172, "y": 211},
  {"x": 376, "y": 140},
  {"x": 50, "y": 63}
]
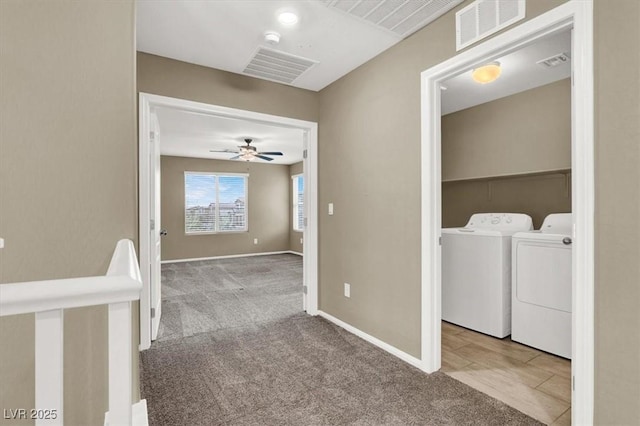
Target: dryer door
[{"x": 543, "y": 273}]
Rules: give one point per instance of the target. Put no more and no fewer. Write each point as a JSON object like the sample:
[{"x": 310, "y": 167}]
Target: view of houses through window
[
  {"x": 298, "y": 203},
  {"x": 215, "y": 202}
]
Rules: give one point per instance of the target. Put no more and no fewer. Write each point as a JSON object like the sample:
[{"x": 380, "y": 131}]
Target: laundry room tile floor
[{"x": 532, "y": 381}]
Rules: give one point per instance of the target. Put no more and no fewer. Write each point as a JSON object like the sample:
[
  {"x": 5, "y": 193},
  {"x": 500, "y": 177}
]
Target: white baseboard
[
  {"x": 229, "y": 256},
  {"x": 410, "y": 359},
  {"x": 139, "y": 415},
  {"x": 295, "y": 252}
]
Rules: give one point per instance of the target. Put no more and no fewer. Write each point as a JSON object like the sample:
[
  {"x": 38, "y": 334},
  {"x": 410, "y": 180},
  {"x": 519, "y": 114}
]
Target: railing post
[
  {"x": 49, "y": 367},
  {"x": 120, "y": 363}
]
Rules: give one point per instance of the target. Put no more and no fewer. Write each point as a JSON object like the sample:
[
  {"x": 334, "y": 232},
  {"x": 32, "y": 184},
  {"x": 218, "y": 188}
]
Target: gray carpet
[
  {"x": 204, "y": 296},
  {"x": 282, "y": 367}
]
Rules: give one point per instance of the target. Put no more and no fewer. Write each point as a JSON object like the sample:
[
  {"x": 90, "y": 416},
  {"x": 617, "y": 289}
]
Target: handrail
[
  {"x": 121, "y": 284},
  {"x": 48, "y": 300}
]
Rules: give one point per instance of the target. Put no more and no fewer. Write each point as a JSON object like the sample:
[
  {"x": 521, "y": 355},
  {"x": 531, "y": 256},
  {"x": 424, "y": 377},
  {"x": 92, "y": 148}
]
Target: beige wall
[
  {"x": 537, "y": 196},
  {"x": 377, "y": 106},
  {"x": 617, "y": 298},
  {"x": 523, "y": 133},
  {"x": 168, "y": 77},
  {"x": 369, "y": 167},
  {"x": 268, "y": 207},
  {"x": 67, "y": 177},
  {"x": 294, "y": 236}
]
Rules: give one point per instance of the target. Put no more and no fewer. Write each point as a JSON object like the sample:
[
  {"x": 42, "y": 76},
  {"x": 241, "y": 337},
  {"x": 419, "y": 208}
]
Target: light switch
[{"x": 330, "y": 209}]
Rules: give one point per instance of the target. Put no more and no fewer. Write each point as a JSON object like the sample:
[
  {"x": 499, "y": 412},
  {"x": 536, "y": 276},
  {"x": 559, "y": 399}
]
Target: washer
[
  {"x": 541, "y": 301},
  {"x": 476, "y": 272}
]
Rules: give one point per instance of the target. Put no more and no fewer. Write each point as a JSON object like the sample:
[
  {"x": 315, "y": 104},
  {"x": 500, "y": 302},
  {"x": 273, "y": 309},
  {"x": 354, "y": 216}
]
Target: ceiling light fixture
[
  {"x": 287, "y": 18},
  {"x": 487, "y": 73}
]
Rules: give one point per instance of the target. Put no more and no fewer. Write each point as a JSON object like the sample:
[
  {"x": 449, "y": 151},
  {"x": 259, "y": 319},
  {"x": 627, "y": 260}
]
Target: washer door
[{"x": 543, "y": 274}]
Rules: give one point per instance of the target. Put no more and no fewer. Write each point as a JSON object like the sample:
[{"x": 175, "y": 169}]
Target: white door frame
[
  {"x": 310, "y": 237},
  {"x": 576, "y": 15}
]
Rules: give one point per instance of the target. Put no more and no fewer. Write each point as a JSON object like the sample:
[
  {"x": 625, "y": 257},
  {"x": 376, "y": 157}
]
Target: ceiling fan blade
[
  {"x": 230, "y": 151},
  {"x": 270, "y": 153},
  {"x": 264, "y": 158},
  {"x": 235, "y": 158}
]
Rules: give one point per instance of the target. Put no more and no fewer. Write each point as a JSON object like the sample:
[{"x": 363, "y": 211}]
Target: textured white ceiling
[
  {"x": 225, "y": 34},
  {"x": 188, "y": 134}
]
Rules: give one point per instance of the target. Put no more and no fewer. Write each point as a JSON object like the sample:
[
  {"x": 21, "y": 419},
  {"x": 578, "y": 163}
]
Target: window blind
[
  {"x": 215, "y": 203},
  {"x": 298, "y": 203}
]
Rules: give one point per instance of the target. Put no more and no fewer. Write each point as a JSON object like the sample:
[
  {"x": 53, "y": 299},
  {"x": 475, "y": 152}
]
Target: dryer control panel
[{"x": 501, "y": 221}]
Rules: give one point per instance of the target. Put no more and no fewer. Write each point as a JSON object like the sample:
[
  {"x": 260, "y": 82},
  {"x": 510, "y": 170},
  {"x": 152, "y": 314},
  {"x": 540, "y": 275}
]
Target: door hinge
[
  {"x": 152, "y": 135},
  {"x": 440, "y": 240},
  {"x": 304, "y": 289},
  {"x": 153, "y": 312},
  {"x": 304, "y": 153},
  {"x": 153, "y": 224}
]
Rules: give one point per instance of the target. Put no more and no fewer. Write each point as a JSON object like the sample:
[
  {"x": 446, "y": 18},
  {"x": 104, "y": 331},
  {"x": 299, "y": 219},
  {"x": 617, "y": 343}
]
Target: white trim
[
  {"x": 139, "y": 414},
  {"x": 216, "y": 173},
  {"x": 145, "y": 103},
  {"x": 144, "y": 219},
  {"x": 410, "y": 359},
  {"x": 121, "y": 284},
  {"x": 49, "y": 365},
  {"x": 226, "y": 256},
  {"x": 295, "y": 252},
  {"x": 120, "y": 368},
  {"x": 310, "y": 233},
  {"x": 579, "y": 16}
]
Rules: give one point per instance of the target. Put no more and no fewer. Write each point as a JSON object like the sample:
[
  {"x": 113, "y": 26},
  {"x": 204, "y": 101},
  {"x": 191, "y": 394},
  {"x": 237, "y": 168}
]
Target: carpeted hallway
[{"x": 236, "y": 349}]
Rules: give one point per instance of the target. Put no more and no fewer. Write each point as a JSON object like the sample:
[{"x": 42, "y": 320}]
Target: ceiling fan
[{"x": 248, "y": 152}]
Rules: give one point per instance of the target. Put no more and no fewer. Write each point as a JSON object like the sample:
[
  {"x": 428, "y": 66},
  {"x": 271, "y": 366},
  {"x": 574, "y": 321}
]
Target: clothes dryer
[
  {"x": 542, "y": 293},
  {"x": 476, "y": 272}
]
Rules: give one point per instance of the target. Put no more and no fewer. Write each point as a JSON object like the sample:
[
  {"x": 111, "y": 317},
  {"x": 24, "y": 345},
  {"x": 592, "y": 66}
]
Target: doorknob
[
  {"x": 163, "y": 232},
  {"x": 566, "y": 240}
]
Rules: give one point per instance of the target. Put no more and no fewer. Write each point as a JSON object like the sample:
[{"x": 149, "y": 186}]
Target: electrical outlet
[
  {"x": 347, "y": 290},
  {"x": 255, "y": 241},
  {"x": 330, "y": 209},
  {"x": 301, "y": 241}
]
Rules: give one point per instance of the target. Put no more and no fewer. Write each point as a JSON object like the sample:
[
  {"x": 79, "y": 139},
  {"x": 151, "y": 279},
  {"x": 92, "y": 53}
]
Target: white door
[
  {"x": 155, "y": 228},
  {"x": 305, "y": 286}
]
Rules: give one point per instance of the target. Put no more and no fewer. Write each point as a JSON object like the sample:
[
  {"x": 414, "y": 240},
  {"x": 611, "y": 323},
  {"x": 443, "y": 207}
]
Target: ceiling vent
[
  {"x": 401, "y": 17},
  {"x": 276, "y": 65},
  {"x": 555, "y": 60},
  {"x": 485, "y": 17}
]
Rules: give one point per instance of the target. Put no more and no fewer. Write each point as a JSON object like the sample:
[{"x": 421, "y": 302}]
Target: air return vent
[
  {"x": 402, "y": 17},
  {"x": 484, "y": 17},
  {"x": 278, "y": 66},
  {"x": 555, "y": 60}
]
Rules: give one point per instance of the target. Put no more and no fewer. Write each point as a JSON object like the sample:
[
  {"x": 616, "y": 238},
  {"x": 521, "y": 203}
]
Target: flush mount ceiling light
[
  {"x": 487, "y": 73},
  {"x": 287, "y": 18}
]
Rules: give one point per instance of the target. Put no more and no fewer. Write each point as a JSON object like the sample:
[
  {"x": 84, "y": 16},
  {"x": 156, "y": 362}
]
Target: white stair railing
[{"x": 48, "y": 299}]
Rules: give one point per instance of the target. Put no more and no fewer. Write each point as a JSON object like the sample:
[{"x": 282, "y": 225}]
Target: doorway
[
  {"x": 148, "y": 214},
  {"x": 578, "y": 17}
]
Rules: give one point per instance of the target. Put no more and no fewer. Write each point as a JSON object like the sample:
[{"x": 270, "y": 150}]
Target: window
[
  {"x": 298, "y": 202},
  {"x": 215, "y": 203}
]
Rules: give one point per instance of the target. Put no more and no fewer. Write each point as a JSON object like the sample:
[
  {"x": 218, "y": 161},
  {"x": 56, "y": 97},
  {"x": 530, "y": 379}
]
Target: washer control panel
[{"x": 498, "y": 221}]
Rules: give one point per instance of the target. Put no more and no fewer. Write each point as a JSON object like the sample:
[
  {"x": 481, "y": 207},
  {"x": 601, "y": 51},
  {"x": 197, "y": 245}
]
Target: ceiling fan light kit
[{"x": 249, "y": 152}]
